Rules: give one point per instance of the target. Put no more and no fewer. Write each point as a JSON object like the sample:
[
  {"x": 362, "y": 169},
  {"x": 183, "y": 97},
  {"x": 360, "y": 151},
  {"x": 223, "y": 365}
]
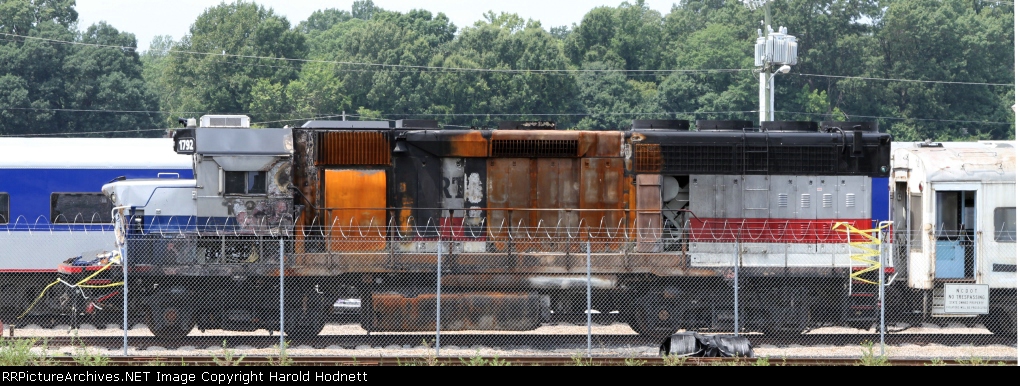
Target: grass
[
  {"x": 284, "y": 359},
  {"x": 582, "y": 360},
  {"x": 762, "y": 361},
  {"x": 84, "y": 356},
  {"x": 19, "y": 352},
  {"x": 868, "y": 357},
  {"x": 631, "y": 361},
  {"x": 478, "y": 360},
  {"x": 978, "y": 361},
  {"x": 429, "y": 358},
  {"x": 673, "y": 360},
  {"x": 228, "y": 358}
]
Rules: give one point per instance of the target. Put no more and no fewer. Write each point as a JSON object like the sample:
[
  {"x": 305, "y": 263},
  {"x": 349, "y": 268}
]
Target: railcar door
[{"x": 955, "y": 228}]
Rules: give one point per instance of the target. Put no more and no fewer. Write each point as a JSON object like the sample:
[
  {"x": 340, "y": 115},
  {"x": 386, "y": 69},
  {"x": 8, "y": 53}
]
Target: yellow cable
[
  {"x": 30, "y": 306},
  {"x": 119, "y": 283},
  {"x": 78, "y": 284},
  {"x": 866, "y": 247}
]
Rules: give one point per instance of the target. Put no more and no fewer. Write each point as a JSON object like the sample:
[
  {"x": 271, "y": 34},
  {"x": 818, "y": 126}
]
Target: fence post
[
  {"x": 439, "y": 282},
  {"x": 588, "y": 259},
  {"x": 736, "y": 288},
  {"x": 124, "y": 266},
  {"x": 122, "y": 225},
  {"x": 881, "y": 280},
  {"x": 283, "y": 350}
]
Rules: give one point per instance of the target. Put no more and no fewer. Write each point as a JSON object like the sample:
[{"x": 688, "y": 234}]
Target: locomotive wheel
[
  {"x": 169, "y": 328},
  {"x": 652, "y": 317},
  {"x": 306, "y": 318},
  {"x": 169, "y": 313}
]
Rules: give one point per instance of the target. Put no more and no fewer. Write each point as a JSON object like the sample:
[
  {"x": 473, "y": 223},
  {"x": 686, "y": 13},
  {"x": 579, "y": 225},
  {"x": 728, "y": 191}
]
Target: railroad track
[
  {"x": 500, "y": 341},
  {"x": 507, "y": 361}
]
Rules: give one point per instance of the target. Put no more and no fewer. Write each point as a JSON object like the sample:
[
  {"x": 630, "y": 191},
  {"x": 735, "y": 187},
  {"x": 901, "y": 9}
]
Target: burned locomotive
[{"x": 509, "y": 227}]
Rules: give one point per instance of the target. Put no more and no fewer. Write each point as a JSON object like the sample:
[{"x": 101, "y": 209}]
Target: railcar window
[
  {"x": 80, "y": 208},
  {"x": 5, "y": 208},
  {"x": 244, "y": 182},
  {"x": 1005, "y": 224},
  {"x": 916, "y": 219}
]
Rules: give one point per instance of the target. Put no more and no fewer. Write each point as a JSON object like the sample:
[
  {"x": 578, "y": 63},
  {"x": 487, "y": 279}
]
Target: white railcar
[{"x": 954, "y": 210}]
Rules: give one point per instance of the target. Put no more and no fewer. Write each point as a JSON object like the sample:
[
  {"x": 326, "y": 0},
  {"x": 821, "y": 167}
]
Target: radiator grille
[
  {"x": 647, "y": 158},
  {"x": 802, "y": 160},
  {"x": 739, "y": 159},
  {"x": 353, "y": 148},
  {"x": 699, "y": 159},
  {"x": 534, "y": 148}
]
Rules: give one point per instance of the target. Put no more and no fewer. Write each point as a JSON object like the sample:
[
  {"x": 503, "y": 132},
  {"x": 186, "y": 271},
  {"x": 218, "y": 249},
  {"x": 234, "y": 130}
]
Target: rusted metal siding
[
  {"x": 601, "y": 187},
  {"x": 527, "y": 197},
  {"x": 509, "y": 187},
  {"x": 355, "y": 202},
  {"x": 558, "y": 188},
  {"x": 600, "y": 144},
  {"x": 460, "y": 311},
  {"x": 306, "y": 175},
  {"x": 649, "y": 213},
  {"x": 647, "y": 158},
  {"x": 469, "y": 144},
  {"x": 353, "y": 148}
]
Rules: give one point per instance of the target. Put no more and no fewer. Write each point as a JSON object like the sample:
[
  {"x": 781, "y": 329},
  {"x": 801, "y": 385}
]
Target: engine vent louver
[
  {"x": 647, "y": 158},
  {"x": 534, "y": 148},
  {"x": 353, "y": 148}
]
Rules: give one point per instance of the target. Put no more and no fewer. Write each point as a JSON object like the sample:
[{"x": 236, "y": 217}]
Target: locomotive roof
[
  {"x": 91, "y": 153},
  {"x": 960, "y": 161},
  {"x": 137, "y": 192},
  {"x": 217, "y": 141}
]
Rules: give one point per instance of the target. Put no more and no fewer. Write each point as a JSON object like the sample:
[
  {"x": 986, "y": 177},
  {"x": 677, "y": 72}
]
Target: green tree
[
  {"x": 957, "y": 41},
  {"x": 102, "y": 78},
  {"x": 323, "y": 20},
  {"x": 365, "y": 56},
  {"x": 45, "y": 85},
  {"x": 630, "y": 31},
  {"x": 229, "y": 50},
  {"x": 519, "y": 85}
]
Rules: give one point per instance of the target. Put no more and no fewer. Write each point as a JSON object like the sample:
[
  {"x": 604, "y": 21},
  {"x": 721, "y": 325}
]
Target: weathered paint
[
  {"x": 355, "y": 202},
  {"x": 460, "y": 311},
  {"x": 469, "y": 144},
  {"x": 518, "y": 281},
  {"x": 648, "y": 226},
  {"x": 600, "y": 144},
  {"x": 353, "y": 148},
  {"x": 601, "y": 187},
  {"x": 647, "y": 158}
]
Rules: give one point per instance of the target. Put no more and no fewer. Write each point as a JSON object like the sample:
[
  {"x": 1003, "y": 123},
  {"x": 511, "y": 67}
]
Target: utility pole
[{"x": 774, "y": 47}]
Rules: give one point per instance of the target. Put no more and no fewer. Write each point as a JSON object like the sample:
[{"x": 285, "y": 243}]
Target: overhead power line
[
  {"x": 902, "y": 118},
  {"x": 433, "y": 68},
  {"x": 906, "y": 80},
  {"x": 491, "y": 70}
]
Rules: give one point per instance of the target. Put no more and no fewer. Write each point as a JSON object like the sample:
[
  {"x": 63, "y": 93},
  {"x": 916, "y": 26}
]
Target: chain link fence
[{"x": 814, "y": 290}]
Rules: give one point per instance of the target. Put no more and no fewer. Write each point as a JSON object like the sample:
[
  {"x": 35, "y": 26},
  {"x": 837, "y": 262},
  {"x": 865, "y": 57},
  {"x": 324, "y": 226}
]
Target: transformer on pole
[{"x": 774, "y": 47}]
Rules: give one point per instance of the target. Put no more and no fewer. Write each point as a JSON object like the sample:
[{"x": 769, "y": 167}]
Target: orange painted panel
[
  {"x": 470, "y": 144},
  {"x": 356, "y": 202}
]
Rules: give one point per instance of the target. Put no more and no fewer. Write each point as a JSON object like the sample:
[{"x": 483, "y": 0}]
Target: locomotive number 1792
[{"x": 185, "y": 145}]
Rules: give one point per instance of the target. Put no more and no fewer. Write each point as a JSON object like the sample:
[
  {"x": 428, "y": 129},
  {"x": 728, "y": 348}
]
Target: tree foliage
[
  {"x": 939, "y": 69},
  {"x": 232, "y": 59},
  {"x": 51, "y": 88}
]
